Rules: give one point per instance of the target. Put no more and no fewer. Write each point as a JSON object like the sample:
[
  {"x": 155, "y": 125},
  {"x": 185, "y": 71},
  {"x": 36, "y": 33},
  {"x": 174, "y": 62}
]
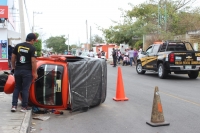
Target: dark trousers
[
  {"x": 23, "y": 79},
  {"x": 125, "y": 63},
  {"x": 114, "y": 60}
]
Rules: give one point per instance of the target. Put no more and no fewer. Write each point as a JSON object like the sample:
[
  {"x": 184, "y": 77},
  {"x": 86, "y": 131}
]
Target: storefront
[{"x": 7, "y": 33}]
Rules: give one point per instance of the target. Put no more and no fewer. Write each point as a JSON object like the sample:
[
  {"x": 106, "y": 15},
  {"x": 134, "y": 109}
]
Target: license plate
[{"x": 188, "y": 67}]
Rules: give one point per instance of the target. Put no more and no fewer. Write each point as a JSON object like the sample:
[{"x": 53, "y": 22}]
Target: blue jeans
[
  {"x": 131, "y": 61},
  {"x": 23, "y": 79}
]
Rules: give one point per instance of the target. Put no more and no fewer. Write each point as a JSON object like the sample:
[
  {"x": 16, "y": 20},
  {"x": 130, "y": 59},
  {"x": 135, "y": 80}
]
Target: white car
[{"x": 86, "y": 54}]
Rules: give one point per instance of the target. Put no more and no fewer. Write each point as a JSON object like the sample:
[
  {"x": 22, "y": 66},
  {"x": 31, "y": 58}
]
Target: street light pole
[
  {"x": 90, "y": 37},
  {"x": 22, "y": 25},
  {"x": 34, "y": 20},
  {"x": 68, "y": 42},
  {"x": 86, "y": 36},
  {"x": 33, "y": 23}
]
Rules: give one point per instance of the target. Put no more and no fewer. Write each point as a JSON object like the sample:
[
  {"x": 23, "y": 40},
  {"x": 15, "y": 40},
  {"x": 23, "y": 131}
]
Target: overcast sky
[{"x": 63, "y": 17}]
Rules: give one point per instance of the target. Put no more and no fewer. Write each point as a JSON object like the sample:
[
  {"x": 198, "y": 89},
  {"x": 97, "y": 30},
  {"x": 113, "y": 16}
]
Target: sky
[{"x": 68, "y": 17}]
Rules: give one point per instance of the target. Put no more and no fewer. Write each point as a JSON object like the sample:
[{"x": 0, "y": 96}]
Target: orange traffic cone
[
  {"x": 157, "y": 116},
  {"x": 120, "y": 95}
]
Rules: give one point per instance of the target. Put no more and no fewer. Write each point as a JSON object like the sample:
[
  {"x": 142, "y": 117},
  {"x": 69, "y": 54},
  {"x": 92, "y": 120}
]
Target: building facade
[{"x": 8, "y": 30}]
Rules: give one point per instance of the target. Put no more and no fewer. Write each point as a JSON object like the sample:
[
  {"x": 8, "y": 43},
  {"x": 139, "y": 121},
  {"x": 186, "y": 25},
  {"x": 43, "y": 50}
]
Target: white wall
[{"x": 3, "y": 34}]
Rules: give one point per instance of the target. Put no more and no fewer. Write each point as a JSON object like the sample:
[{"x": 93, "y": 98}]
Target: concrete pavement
[{"x": 13, "y": 122}]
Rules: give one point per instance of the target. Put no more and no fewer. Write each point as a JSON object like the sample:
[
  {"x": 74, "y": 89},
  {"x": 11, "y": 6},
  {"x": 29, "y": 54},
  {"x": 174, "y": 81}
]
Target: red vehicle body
[{"x": 54, "y": 89}]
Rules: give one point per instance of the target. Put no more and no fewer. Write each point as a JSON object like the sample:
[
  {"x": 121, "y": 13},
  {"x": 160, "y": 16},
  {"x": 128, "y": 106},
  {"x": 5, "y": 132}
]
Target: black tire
[
  {"x": 162, "y": 73},
  {"x": 193, "y": 74},
  {"x": 139, "y": 68}
]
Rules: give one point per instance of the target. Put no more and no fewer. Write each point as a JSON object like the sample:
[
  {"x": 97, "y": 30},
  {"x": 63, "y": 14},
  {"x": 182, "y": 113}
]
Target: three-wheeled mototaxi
[{"x": 64, "y": 81}]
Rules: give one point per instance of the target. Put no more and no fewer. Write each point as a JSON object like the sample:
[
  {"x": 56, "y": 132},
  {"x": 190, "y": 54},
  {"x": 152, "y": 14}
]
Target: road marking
[{"x": 180, "y": 98}]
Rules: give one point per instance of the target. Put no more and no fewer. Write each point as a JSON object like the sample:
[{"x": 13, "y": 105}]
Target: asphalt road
[{"x": 179, "y": 97}]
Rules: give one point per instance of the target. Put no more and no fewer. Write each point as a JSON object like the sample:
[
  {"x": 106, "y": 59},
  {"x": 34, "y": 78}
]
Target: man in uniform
[
  {"x": 114, "y": 55},
  {"x": 25, "y": 71}
]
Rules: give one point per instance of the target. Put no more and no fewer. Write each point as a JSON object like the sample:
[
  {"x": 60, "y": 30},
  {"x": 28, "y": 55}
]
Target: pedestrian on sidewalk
[{"x": 24, "y": 68}]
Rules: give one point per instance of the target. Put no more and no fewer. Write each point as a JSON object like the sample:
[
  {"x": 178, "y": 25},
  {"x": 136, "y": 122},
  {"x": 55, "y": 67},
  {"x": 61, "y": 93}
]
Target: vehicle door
[
  {"x": 147, "y": 58},
  {"x": 152, "y": 57}
]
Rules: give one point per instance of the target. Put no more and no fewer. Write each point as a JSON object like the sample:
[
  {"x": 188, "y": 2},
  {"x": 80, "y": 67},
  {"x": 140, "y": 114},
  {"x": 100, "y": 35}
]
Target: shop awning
[{"x": 12, "y": 35}]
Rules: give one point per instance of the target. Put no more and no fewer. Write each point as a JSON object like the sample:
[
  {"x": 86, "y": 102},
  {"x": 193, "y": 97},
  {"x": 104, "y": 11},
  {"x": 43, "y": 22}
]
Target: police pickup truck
[{"x": 170, "y": 56}]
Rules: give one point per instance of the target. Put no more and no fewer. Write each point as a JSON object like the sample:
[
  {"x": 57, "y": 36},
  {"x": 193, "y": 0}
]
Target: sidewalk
[{"x": 13, "y": 122}]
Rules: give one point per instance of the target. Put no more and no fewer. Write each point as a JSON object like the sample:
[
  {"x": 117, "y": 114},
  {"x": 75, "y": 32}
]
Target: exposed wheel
[
  {"x": 193, "y": 74},
  {"x": 139, "y": 68},
  {"x": 162, "y": 73}
]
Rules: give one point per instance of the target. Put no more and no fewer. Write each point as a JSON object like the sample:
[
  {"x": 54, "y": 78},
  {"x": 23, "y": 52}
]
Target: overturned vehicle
[{"x": 64, "y": 82}]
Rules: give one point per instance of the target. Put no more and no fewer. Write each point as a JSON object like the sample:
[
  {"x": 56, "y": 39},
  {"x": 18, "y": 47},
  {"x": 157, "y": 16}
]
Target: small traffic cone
[
  {"x": 157, "y": 116},
  {"x": 120, "y": 95}
]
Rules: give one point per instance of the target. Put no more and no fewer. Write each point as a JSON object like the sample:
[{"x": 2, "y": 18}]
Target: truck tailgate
[{"x": 187, "y": 58}]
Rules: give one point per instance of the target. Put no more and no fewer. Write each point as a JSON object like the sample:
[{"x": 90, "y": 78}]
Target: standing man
[
  {"x": 140, "y": 50},
  {"x": 114, "y": 55},
  {"x": 135, "y": 55},
  {"x": 10, "y": 50},
  {"x": 24, "y": 67},
  {"x": 130, "y": 53},
  {"x": 99, "y": 53}
]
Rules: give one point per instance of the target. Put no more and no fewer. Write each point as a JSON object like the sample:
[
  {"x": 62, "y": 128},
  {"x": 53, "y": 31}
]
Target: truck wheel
[
  {"x": 162, "y": 73},
  {"x": 193, "y": 74},
  {"x": 139, "y": 68}
]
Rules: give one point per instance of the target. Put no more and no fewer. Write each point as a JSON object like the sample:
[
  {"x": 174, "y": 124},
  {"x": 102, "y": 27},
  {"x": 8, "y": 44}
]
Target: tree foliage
[
  {"x": 38, "y": 45},
  {"x": 57, "y": 44},
  {"x": 166, "y": 18},
  {"x": 96, "y": 39}
]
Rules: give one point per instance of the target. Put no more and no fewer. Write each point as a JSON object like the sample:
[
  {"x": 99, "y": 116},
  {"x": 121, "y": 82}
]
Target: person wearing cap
[{"x": 24, "y": 67}]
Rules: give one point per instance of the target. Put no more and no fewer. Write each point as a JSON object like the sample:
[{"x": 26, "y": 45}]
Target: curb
[{"x": 25, "y": 127}]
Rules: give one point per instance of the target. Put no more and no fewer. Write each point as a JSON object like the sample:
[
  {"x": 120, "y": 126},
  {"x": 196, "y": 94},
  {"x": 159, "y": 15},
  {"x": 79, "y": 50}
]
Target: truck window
[
  {"x": 149, "y": 50},
  {"x": 176, "y": 47},
  {"x": 48, "y": 89},
  {"x": 155, "y": 49},
  {"x": 163, "y": 47},
  {"x": 189, "y": 47}
]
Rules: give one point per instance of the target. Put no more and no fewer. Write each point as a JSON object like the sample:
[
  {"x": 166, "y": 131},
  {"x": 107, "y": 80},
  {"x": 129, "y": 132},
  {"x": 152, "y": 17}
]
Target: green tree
[
  {"x": 57, "y": 44},
  {"x": 38, "y": 45},
  {"x": 96, "y": 39},
  {"x": 74, "y": 46},
  {"x": 166, "y": 18}
]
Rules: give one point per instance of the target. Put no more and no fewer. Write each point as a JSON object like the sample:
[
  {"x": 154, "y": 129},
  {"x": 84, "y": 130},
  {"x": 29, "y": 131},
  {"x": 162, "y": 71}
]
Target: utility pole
[
  {"x": 34, "y": 20},
  {"x": 68, "y": 42},
  {"x": 158, "y": 16},
  {"x": 165, "y": 15},
  {"x": 22, "y": 24},
  {"x": 90, "y": 37},
  {"x": 86, "y": 35},
  {"x": 33, "y": 23}
]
